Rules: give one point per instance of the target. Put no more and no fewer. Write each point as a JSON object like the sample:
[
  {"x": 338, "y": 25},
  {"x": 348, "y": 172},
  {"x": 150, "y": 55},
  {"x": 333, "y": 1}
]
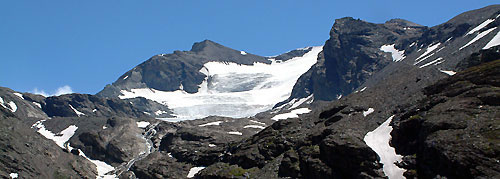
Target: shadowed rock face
[
  {"x": 454, "y": 132},
  {"x": 30, "y": 155},
  {"x": 352, "y": 55}
]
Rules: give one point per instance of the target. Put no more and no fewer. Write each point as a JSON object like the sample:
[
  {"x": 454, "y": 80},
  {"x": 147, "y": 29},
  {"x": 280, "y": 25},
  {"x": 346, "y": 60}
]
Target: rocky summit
[{"x": 390, "y": 100}]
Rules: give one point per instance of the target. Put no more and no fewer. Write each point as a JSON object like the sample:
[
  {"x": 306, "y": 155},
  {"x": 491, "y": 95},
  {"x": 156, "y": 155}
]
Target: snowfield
[
  {"x": 479, "y": 36},
  {"x": 493, "y": 42},
  {"x": 102, "y": 167},
  {"x": 378, "y": 141},
  {"x": 396, "y": 54},
  {"x": 426, "y": 55},
  {"x": 480, "y": 26},
  {"x": 61, "y": 138},
  {"x": 233, "y": 90},
  {"x": 12, "y": 106}
]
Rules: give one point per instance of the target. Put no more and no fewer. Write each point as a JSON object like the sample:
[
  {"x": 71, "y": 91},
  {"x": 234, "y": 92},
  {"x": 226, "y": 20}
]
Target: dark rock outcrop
[
  {"x": 351, "y": 56},
  {"x": 89, "y": 105},
  {"x": 454, "y": 132},
  {"x": 24, "y": 152}
]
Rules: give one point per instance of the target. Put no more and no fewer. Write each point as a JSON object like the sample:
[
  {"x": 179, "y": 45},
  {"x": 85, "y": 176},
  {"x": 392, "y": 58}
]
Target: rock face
[
  {"x": 354, "y": 51},
  {"x": 352, "y": 55},
  {"x": 454, "y": 131},
  {"x": 74, "y": 105},
  {"x": 30, "y": 155}
]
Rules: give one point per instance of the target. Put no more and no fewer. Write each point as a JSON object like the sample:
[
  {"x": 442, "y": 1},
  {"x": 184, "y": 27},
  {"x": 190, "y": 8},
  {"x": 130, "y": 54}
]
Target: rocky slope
[
  {"x": 26, "y": 154},
  {"x": 357, "y": 50},
  {"x": 454, "y": 131}
]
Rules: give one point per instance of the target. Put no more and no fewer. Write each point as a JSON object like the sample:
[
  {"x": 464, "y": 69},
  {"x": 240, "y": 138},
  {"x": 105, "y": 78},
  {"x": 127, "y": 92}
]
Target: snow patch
[
  {"x": 94, "y": 110},
  {"x": 13, "y": 106},
  {"x": 397, "y": 55},
  {"x": 480, "y": 26},
  {"x": 19, "y": 95},
  {"x": 1, "y": 101},
  {"x": 378, "y": 140},
  {"x": 479, "y": 36},
  {"x": 216, "y": 123},
  {"x": 451, "y": 73},
  {"x": 257, "y": 122},
  {"x": 243, "y": 53},
  {"x": 427, "y": 51},
  {"x": 493, "y": 42},
  {"x": 61, "y": 138},
  {"x": 292, "y": 114},
  {"x": 37, "y": 104},
  {"x": 13, "y": 175},
  {"x": 102, "y": 167},
  {"x": 233, "y": 90},
  {"x": 76, "y": 111},
  {"x": 142, "y": 124},
  {"x": 254, "y": 126},
  {"x": 361, "y": 90},
  {"x": 235, "y": 133},
  {"x": 193, "y": 171},
  {"x": 368, "y": 112},
  {"x": 435, "y": 62},
  {"x": 211, "y": 145},
  {"x": 301, "y": 101},
  {"x": 449, "y": 39},
  {"x": 160, "y": 112}
]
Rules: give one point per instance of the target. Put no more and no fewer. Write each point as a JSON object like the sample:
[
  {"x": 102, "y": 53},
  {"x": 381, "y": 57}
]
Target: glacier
[{"x": 233, "y": 90}]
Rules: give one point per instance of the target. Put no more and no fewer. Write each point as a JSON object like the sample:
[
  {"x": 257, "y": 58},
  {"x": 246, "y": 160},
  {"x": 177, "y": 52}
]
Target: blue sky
[{"x": 84, "y": 45}]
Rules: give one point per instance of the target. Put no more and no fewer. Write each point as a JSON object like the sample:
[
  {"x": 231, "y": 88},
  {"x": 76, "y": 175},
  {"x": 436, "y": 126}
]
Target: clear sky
[{"x": 84, "y": 45}]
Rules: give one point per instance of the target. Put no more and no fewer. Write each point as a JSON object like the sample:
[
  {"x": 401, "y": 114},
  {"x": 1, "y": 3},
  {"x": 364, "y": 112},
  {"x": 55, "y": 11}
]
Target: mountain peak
[
  {"x": 205, "y": 45},
  {"x": 402, "y": 22}
]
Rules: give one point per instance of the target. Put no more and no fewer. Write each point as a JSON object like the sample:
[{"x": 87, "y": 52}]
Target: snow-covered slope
[{"x": 231, "y": 89}]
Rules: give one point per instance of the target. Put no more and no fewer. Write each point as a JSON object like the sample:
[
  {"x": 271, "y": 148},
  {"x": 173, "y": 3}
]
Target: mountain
[
  {"x": 376, "y": 100},
  {"x": 357, "y": 50},
  {"x": 211, "y": 79}
]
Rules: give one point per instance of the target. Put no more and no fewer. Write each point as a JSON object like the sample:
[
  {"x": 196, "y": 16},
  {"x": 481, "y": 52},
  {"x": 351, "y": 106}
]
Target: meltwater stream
[{"x": 149, "y": 149}]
